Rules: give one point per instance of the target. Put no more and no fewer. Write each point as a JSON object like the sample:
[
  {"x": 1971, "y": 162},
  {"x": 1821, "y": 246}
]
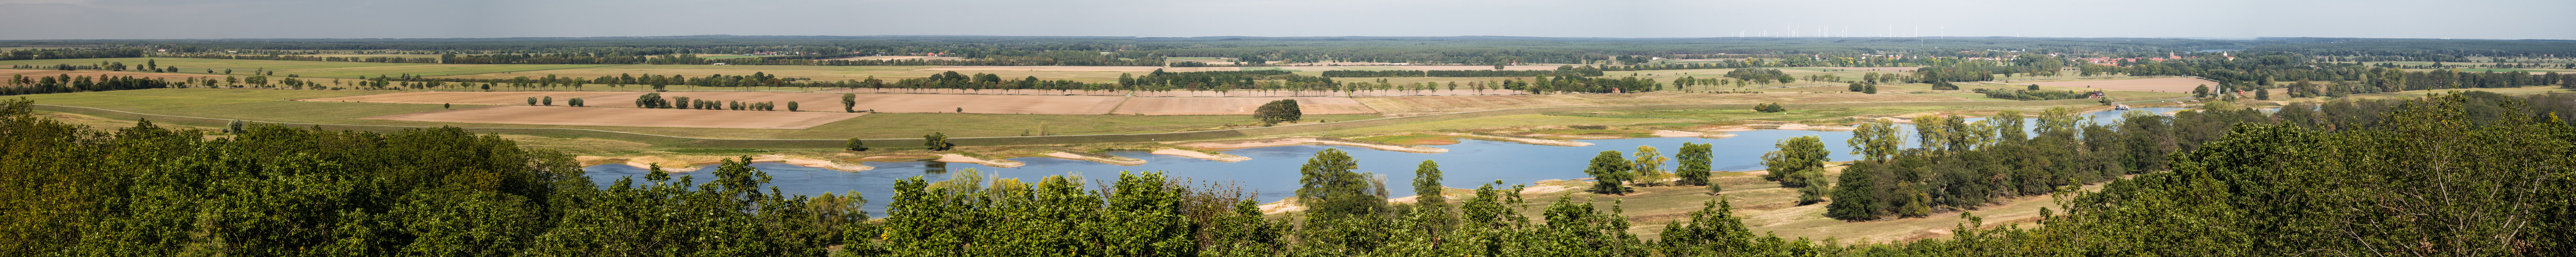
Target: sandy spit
[
  {"x": 1200, "y": 155},
  {"x": 1312, "y": 140},
  {"x": 964, "y": 159},
  {"x": 1121, "y": 161}
]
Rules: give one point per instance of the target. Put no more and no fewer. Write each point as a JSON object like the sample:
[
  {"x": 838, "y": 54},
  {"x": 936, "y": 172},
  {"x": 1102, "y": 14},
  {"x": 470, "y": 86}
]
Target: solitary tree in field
[
  {"x": 550, "y": 100},
  {"x": 855, "y": 145},
  {"x": 1608, "y": 170},
  {"x": 849, "y": 102},
  {"x": 1284, "y": 110},
  {"x": 532, "y": 101},
  {"x": 936, "y": 141},
  {"x": 791, "y": 106}
]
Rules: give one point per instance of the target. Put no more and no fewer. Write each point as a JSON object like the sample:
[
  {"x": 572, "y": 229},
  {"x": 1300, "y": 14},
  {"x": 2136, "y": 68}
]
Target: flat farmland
[
  {"x": 615, "y": 99},
  {"x": 1877, "y": 69},
  {"x": 626, "y": 117},
  {"x": 2150, "y": 85},
  {"x": 819, "y": 73},
  {"x": 180, "y": 76},
  {"x": 313, "y": 68},
  {"x": 912, "y": 103},
  {"x": 1236, "y": 106},
  {"x": 894, "y": 57}
]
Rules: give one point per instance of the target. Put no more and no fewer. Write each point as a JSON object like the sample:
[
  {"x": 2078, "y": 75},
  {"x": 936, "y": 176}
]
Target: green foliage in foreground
[{"x": 2453, "y": 175}]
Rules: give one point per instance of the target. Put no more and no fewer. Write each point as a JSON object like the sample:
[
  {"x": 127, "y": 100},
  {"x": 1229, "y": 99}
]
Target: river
[{"x": 1272, "y": 172}]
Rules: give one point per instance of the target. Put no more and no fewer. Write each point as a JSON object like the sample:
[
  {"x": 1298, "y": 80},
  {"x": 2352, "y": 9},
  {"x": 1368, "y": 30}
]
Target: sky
[{"x": 198, "y": 19}]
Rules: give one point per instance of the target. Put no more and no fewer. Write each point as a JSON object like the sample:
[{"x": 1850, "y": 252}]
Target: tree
[
  {"x": 1426, "y": 184},
  {"x": 1877, "y": 139},
  {"x": 1797, "y": 155},
  {"x": 1872, "y": 89},
  {"x": 550, "y": 100},
  {"x": 1856, "y": 86},
  {"x": 791, "y": 106},
  {"x": 2262, "y": 94},
  {"x": 1855, "y": 199},
  {"x": 1609, "y": 170},
  {"x": 1816, "y": 188},
  {"x": 2200, "y": 91},
  {"x": 1695, "y": 160},
  {"x": 532, "y": 101},
  {"x": 936, "y": 141},
  {"x": 233, "y": 127},
  {"x": 1275, "y": 112},
  {"x": 855, "y": 145},
  {"x": 1650, "y": 166},
  {"x": 1329, "y": 188},
  {"x": 849, "y": 102}
]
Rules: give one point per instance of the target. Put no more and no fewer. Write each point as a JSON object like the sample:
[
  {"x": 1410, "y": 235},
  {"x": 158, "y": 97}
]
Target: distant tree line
[
  {"x": 20, "y": 84},
  {"x": 1560, "y": 71}
]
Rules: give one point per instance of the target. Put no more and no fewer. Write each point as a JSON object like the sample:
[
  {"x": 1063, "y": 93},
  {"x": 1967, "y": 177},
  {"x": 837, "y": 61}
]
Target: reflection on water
[{"x": 1272, "y": 172}]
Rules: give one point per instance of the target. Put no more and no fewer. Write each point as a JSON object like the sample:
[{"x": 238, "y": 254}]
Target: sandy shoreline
[
  {"x": 1120, "y": 161},
  {"x": 1524, "y": 140},
  {"x": 1222, "y": 157},
  {"x": 956, "y": 158},
  {"x": 1313, "y": 140}
]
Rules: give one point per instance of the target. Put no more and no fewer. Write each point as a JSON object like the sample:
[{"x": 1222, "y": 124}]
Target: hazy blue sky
[{"x": 161, "y": 19}]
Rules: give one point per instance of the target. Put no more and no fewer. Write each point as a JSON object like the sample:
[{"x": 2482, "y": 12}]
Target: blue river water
[{"x": 1272, "y": 171}]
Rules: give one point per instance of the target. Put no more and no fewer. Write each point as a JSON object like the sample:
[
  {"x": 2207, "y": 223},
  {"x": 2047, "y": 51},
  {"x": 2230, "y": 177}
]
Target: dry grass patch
[
  {"x": 32, "y": 74},
  {"x": 1446, "y": 104}
]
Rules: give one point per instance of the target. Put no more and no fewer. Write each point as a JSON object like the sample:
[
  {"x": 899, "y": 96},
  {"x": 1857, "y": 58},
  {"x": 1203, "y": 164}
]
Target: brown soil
[
  {"x": 1046, "y": 68},
  {"x": 1236, "y": 106},
  {"x": 603, "y": 99},
  {"x": 589, "y": 116}
]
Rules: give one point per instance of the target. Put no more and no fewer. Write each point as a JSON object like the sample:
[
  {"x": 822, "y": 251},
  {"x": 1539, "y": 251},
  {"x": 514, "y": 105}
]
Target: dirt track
[{"x": 592, "y": 116}]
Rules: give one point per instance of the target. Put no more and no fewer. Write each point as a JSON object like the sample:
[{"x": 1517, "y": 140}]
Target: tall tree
[
  {"x": 1695, "y": 159},
  {"x": 1328, "y": 187},
  {"x": 1609, "y": 172}
]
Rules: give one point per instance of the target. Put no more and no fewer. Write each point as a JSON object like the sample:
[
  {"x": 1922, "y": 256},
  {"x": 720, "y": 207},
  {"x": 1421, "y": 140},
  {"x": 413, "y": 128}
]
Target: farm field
[
  {"x": 314, "y": 69},
  {"x": 2171, "y": 85},
  {"x": 1236, "y": 106},
  {"x": 912, "y": 103},
  {"x": 626, "y": 117},
  {"x": 79, "y": 73}
]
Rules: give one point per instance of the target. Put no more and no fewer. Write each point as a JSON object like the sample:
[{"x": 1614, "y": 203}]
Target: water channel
[{"x": 1272, "y": 172}]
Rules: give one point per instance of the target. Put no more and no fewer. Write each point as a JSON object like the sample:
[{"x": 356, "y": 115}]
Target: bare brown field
[
  {"x": 1049, "y": 68},
  {"x": 1310, "y": 93},
  {"x": 1467, "y": 67},
  {"x": 1446, "y": 104},
  {"x": 1236, "y": 106},
  {"x": 604, "y": 99},
  {"x": 974, "y": 92},
  {"x": 1873, "y": 68},
  {"x": 629, "y": 117},
  {"x": 31, "y": 74},
  {"x": 894, "y": 57},
  {"x": 1002, "y": 104},
  {"x": 2175, "y": 85}
]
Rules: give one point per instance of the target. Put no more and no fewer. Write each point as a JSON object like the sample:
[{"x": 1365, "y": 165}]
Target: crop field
[
  {"x": 821, "y": 73},
  {"x": 31, "y": 74},
  {"x": 626, "y": 117},
  {"x": 1876, "y": 69},
  {"x": 1236, "y": 106},
  {"x": 315, "y": 68},
  {"x": 2171, "y": 85},
  {"x": 912, "y": 103},
  {"x": 894, "y": 57},
  {"x": 606, "y": 99}
]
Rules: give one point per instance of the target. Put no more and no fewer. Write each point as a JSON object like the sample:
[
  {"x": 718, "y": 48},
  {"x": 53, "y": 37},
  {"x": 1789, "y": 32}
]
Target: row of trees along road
[{"x": 2449, "y": 175}]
